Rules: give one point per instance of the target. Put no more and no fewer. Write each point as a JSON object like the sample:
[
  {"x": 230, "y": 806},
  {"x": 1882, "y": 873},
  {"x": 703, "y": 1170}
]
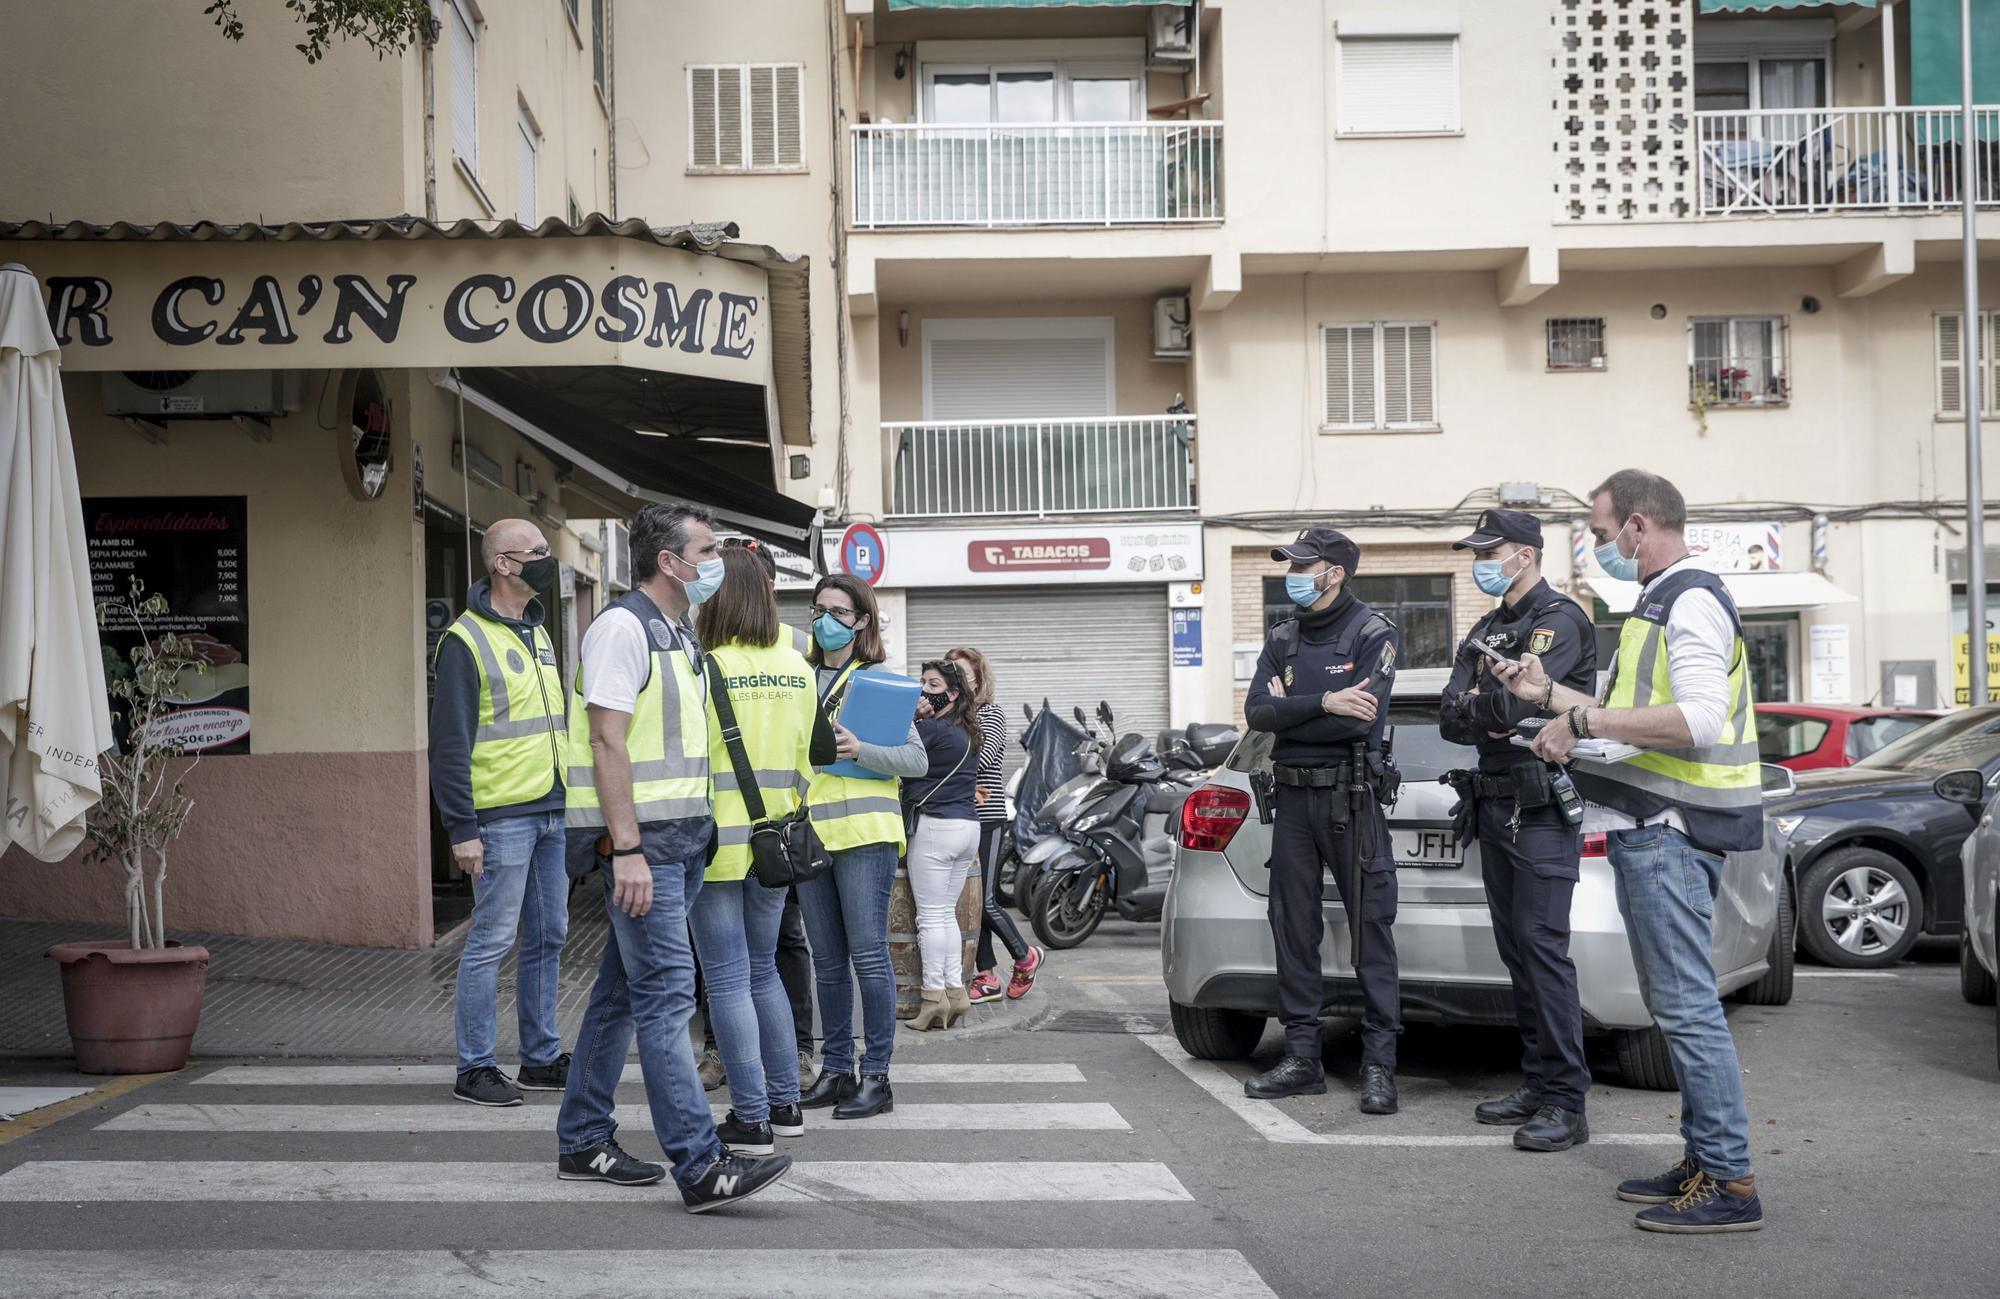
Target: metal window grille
[
  {"x": 1739, "y": 361},
  {"x": 1576, "y": 343}
]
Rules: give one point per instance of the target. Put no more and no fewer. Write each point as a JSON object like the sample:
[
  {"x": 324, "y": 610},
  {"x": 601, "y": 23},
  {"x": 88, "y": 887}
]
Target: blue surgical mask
[
  {"x": 1304, "y": 589},
  {"x": 831, "y": 633},
  {"x": 1617, "y": 565},
  {"x": 1491, "y": 575},
  {"x": 707, "y": 580}
]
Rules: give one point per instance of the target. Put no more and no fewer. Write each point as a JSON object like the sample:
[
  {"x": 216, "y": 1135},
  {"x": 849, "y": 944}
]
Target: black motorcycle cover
[{"x": 1051, "y": 745}]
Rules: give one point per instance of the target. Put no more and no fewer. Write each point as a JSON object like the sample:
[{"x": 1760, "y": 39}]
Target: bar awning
[
  {"x": 1753, "y": 592},
  {"x": 1934, "y": 56},
  {"x": 634, "y": 464},
  {"x": 1760, "y": 6},
  {"x": 1019, "y": 4}
]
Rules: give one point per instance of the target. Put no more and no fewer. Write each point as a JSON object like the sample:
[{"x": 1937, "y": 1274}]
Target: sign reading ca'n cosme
[{"x": 404, "y": 304}]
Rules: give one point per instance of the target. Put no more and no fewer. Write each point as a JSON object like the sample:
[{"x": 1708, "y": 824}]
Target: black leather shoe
[
  {"x": 1378, "y": 1090},
  {"x": 1516, "y": 1107},
  {"x": 1292, "y": 1076},
  {"x": 1553, "y": 1129},
  {"x": 828, "y": 1089},
  {"x": 872, "y": 1097}
]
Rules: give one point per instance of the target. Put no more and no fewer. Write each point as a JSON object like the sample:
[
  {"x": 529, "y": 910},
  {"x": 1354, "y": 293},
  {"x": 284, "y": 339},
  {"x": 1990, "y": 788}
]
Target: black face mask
[
  {"x": 540, "y": 573},
  {"x": 939, "y": 701}
]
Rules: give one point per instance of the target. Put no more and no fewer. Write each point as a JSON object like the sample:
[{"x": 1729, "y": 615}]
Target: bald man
[{"x": 497, "y": 726}]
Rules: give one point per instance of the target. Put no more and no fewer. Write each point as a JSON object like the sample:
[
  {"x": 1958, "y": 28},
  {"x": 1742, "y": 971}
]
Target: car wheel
[
  {"x": 1643, "y": 1058},
  {"x": 1775, "y": 988},
  {"x": 1973, "y": 981},
  {"x": 1210, "y": 1034},
  {"x": 1862, "y": 909},
  {"x": 1067, "y": 909}
]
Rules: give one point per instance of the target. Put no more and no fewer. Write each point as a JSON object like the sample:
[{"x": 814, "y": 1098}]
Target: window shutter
[
  {"x": 763, "y": 117},
  {"x": 530, "y": 212},
  {"x": 1402, "y": 84},
  {"x": 1350, "y": 375},
  {"x": 1409, "y": 398},
  {"x": 598, "y": 42},
  {"x": 1052, "y": 377},
  {"x": 1950, "y": 365},
  {"x": 705, "y": 126},
  {"x": 464, "y": 88},
  {"x": 1989, "y": 366},
  {"x": 791, "y": 96}
]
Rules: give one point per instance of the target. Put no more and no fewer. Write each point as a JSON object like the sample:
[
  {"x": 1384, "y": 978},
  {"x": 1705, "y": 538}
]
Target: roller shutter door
[
  {"x": 1070, "y": 644},
  {"x": 795, "y": 610}
]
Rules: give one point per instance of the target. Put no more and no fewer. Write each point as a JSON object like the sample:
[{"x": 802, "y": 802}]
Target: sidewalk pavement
[{"x": 276, "y": 998}]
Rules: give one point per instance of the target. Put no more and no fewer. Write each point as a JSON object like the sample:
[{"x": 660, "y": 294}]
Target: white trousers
[{"x": 941, "y": 856}]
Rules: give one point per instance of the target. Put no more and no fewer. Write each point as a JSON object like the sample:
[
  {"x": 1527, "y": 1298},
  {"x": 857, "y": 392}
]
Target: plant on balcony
[{"x": 133, "y": 1005}]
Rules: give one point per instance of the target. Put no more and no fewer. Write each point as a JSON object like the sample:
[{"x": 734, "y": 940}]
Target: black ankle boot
[
  {"x": 1552, "y": 1129},
  {"x": 1378, "y": 1089},
  {"x": 829, "y": 1088},
  {"x": 1294, "y": 1075},
  {"x": 872, "y": 1097},
  {"x": 1517, "y": 1107}
]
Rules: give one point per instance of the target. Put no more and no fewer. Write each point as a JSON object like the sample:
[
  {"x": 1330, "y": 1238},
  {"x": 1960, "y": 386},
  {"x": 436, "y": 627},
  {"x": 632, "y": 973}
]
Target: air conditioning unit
[
  {"x": 617, "y": 540},
  {"x": 477, "y": 465},
  {"x": 1173, "y": 332},
  {"x": 194, "y": 394},
  {"x": 524, "y": 482},
  {"x": 1170, "y": 36}
]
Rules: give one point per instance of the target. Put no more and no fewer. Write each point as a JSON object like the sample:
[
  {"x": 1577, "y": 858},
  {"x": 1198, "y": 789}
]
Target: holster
[{"x": 1465, "y": 812}]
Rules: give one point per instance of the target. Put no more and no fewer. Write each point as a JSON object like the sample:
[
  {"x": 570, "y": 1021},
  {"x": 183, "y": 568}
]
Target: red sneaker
[
  {"x": 1024, "y": 974},
  {"x": 984, "y": 987}
]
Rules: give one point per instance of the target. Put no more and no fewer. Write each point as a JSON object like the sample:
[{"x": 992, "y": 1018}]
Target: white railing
[
  {"x": 1070, "y": 173},
  {"x": 1111, "y": 465},
  {"x": 1841, "y": 160}
]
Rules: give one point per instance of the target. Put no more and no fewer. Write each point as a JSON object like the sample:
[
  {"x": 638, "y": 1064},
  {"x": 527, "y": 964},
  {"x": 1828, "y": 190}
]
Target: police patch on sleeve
[
  {"x": 662, "y": 638},
  {"x": 1541, "y": 640},
  {"x": 1387, "y": 663}
]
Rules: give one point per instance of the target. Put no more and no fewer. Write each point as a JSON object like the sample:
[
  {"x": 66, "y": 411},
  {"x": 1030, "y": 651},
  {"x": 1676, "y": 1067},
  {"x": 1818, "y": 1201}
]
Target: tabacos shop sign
[
  {"x": 112, "y": 306},
  {"x": 1050, "y": 556}
]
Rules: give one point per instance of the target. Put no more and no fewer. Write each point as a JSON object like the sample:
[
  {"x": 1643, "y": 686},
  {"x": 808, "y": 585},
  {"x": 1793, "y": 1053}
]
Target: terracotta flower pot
[{"x": 131, "y": 1011}]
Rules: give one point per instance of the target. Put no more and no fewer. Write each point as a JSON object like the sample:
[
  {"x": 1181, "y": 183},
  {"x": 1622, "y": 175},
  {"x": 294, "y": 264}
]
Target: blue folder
[{"x": 878, "y": 709}]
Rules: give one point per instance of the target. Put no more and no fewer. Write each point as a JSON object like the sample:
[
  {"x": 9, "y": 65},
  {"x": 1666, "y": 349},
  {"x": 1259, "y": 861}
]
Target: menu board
[{"x": 191, "y": 550}]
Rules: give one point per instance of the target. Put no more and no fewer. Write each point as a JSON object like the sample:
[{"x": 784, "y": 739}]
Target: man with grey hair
[
  {"x": 1679, "y": 691},
  {"x": 496, "y": 776},
  {"x": 641, "y": 813}
]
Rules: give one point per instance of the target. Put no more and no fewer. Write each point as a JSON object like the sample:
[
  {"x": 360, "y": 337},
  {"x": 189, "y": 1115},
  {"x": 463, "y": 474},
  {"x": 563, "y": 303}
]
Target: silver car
[
  {"x": 1978, "y": 959},
  {"x": 1215, "y": 938}
]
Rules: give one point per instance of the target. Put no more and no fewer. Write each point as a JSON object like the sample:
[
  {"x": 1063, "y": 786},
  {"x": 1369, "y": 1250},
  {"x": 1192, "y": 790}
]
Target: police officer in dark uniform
[
  {"x": 1528, "y": 845},
  {"x": 1322, "y": 689}
]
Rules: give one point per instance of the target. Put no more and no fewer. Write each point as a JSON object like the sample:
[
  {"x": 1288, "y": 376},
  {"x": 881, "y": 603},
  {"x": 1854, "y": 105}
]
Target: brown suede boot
[
  {"x": 960, "y": 1003},
  {"x": 932, "y": 1013}
]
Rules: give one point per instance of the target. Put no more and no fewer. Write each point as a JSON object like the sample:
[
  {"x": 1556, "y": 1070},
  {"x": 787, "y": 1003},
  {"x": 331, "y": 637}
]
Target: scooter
[{"x": 1039, "y": 836}]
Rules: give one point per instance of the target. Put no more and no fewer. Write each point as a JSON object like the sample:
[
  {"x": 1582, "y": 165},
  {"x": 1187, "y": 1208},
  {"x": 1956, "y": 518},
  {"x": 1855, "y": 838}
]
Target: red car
[{"x": 1805, "y": 736}]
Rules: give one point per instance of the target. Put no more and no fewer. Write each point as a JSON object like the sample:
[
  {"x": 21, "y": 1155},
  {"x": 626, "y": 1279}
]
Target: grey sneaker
[
  {"x": 486, "y": 1086},
  {"x": 713, "y": 1075}
]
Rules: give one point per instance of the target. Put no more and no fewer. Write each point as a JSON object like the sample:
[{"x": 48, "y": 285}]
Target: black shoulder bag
[{"x": 782, "y": 853}]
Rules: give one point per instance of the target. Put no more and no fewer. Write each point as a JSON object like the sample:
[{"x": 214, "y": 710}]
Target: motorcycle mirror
[
  {"x": 1028, "y": 712},
  {"x": 1081, "y": 720}
]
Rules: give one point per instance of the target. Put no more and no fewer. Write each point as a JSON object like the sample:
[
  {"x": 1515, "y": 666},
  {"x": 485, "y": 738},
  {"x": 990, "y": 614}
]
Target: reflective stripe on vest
[
  {"x": 1718, "y": 788},
  {"x": 667, "y": 738},
  {"x": 852, "y": 811},
  {"x": 775, "y": 704},
  {"x": 520, "y": 703}
]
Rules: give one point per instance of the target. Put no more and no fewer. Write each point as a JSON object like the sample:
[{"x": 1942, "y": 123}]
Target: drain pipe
[{"x": 429, "y": 59}]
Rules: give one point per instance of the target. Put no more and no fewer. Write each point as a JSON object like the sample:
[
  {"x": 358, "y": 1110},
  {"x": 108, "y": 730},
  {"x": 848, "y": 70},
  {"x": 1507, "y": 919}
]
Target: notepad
[
  {"x": 878, "y": 709},
  {"x": 1606, "y": 751}
]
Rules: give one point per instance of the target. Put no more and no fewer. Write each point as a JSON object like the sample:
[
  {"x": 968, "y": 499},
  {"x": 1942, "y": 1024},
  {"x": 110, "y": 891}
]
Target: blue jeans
[
  {"x": 847, "y": 918},
  {"x": 1666, "y": 892},
  {"x": 645, "y": 988},
  {"x": 525, "y": 888},
  {"x": 736, "y": 931}
]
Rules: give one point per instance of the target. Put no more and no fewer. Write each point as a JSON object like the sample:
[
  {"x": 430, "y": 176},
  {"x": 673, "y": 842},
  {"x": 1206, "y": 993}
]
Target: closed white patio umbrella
[{"x": 54, "y": 717}]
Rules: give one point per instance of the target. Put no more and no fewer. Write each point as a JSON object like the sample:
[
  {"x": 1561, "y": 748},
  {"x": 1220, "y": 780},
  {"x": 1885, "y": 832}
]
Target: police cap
[
  {"x": 1320, "y": 543},
  {"x": 1496, "y": 526}
]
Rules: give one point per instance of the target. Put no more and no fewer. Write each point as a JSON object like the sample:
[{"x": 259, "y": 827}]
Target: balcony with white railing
[
  {"x": 1061, "y": 174},
  {"x": 1831, "y": 160},
  {"x": 1140, "y": 464}
]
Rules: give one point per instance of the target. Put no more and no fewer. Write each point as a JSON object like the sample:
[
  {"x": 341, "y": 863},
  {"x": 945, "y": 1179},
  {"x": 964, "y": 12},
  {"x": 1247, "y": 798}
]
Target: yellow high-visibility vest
[
  {"x": 771, "y": 693},
  {"x": 854, "y": 811},
  {"x": 667, "y": 739},
  {"x": 1717, "y": 788},
  {"x": 517, "y": 745}
]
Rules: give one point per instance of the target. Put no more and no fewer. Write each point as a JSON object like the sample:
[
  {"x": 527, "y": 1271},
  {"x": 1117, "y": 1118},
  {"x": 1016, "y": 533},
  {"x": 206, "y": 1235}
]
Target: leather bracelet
[
  {"x": 1548, "y": 693},
  {"x": 628, "y": 852},
  {"x": 1576, "y": 723},
  {"x": 1583, "y": 720}
]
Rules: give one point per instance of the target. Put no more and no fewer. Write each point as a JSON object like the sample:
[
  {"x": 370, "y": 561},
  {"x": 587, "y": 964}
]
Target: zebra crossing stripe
[
  {"x": 443, "y": 1075},
  {"x": 638, "y": 1274},
  {"x": 111, "y": 1181},
  {"x": 444, "y": 1116}
]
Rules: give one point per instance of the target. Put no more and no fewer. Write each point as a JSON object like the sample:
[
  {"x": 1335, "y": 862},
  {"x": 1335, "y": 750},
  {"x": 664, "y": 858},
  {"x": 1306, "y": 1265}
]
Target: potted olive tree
[{"x": 133, "y": 1004}]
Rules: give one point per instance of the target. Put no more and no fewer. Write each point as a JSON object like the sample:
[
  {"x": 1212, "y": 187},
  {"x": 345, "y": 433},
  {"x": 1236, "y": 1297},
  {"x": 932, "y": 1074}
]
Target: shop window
[
  {"x": 1576, "y": 343},
  {"x": 1739, "y": 361},
  {"x": 746, "y": 117},
  {"x": 1379, "y": 375},
  {"x": 1419, "y": 605},
  {"x": 1772, "y": 647}
]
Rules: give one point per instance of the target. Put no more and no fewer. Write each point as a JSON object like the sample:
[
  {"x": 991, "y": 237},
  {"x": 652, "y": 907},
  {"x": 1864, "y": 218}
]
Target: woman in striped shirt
[{"x": 993, "y": 827}]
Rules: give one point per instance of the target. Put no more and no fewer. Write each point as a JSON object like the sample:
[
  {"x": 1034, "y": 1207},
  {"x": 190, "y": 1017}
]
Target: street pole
[{"x": 1975, "y": 474}]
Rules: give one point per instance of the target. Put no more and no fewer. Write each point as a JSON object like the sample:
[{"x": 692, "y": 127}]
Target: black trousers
[
  {"x": 1530, "y": 878},
  {"x": 1304, "y": 848},
  {"x": 993, "y": 917},
  {"x": 795, "y": 971}
]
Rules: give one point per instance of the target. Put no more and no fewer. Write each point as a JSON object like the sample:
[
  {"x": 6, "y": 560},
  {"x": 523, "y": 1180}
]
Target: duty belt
[
  {"x": 1335, "y": 777},
  {"x": 1487, "y": 784}
]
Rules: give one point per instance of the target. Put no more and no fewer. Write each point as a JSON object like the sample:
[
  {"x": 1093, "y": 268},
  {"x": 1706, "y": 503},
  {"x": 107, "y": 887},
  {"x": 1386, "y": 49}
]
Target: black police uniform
[
  {"x": 1329, "y": 649},
  {"x": 1528, "y": 851}
]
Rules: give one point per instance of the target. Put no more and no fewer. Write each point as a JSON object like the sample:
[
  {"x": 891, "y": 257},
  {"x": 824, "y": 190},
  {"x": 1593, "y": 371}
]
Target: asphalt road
[{"x": 1065, "y": 1148}]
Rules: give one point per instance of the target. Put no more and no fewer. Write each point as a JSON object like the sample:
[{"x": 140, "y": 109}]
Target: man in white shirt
[{"x": 1680, "y": 691}]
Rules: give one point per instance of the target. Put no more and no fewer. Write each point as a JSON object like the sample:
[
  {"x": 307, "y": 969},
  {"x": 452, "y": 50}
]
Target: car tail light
[
  {"x": 1211, "y": 817},
  {"x": 1594, "y": 845}
]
